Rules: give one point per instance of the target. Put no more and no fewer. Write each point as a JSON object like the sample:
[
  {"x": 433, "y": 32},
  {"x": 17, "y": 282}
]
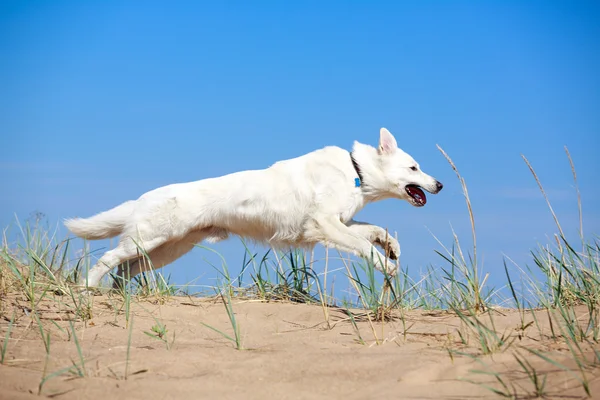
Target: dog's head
[{"x": 403, "y": 176}]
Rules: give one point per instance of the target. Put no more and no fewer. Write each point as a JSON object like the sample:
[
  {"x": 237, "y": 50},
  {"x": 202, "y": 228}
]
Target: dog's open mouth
[{"x": 417, "y": 196}]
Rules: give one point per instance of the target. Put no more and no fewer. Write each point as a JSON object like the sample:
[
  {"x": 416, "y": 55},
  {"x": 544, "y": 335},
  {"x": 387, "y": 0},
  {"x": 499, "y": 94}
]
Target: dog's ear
[{"x": 387, "y": 142}]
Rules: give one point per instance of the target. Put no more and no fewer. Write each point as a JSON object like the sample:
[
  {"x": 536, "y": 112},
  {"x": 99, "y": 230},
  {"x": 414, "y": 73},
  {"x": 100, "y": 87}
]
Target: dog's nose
[{"x": 439, "y": 186}]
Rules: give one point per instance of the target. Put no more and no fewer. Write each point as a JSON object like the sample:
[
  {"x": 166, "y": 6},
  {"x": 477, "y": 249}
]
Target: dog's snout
[{"x": 439, "y": 185}]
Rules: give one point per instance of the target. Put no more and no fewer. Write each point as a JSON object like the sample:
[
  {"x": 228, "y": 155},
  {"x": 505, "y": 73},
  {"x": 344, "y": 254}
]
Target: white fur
[{"x": 294, "y": 203}]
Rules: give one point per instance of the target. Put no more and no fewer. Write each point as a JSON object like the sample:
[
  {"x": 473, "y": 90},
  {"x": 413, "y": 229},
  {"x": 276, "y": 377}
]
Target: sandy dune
[{"x": 290, "y": 354}]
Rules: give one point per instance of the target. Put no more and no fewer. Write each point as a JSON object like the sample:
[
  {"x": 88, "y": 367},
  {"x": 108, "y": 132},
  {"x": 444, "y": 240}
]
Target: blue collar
[{"x": 357, "y": 181}]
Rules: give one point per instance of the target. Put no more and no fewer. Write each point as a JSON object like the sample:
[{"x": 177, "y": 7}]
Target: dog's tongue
[{"x": 417, "y": 194}]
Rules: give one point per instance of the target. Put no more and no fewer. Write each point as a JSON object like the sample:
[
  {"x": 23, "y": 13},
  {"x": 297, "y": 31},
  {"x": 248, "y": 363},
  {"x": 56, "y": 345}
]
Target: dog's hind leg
[
  {"x": 158, "y": 258},
  {"x": 125, "y": 250},
  {"x": 166, "y": 254},
  {"x": 125, "y": 272}
]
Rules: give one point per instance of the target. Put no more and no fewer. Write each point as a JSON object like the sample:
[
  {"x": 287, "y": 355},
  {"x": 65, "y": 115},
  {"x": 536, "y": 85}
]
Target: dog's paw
[
  {"x": 390, "y": 246},
  {"x": 392, "y": 249},
  {"x": 392, "y": 254},
  {"x": 384, "y": 264},
  {"x": 392, "y": 270}
]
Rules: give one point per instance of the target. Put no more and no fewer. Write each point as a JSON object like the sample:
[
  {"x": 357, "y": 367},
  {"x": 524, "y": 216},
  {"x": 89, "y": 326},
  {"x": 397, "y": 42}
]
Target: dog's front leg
[
  {"x": 334, "y": 233},
  {"x": 378, "y": 236}
]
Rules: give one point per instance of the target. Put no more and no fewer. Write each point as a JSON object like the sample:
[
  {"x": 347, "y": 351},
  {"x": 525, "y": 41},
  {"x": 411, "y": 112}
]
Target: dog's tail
[{"x": 107, "y": 224}]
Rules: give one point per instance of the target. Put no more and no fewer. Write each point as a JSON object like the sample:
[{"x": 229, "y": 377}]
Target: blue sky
[{"x": 102, "y": 101}]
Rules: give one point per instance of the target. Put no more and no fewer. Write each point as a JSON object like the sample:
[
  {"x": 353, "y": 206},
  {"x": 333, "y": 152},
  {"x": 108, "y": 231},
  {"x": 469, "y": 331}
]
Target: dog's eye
[{"x": 413, "y": 168}]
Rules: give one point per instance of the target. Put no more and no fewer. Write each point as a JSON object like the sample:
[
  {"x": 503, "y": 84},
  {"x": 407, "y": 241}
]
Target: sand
[{"x": 289, "y": 353}]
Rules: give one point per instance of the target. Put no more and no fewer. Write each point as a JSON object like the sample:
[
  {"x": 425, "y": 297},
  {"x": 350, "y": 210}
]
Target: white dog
[{"x": 294, "y": 203}]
